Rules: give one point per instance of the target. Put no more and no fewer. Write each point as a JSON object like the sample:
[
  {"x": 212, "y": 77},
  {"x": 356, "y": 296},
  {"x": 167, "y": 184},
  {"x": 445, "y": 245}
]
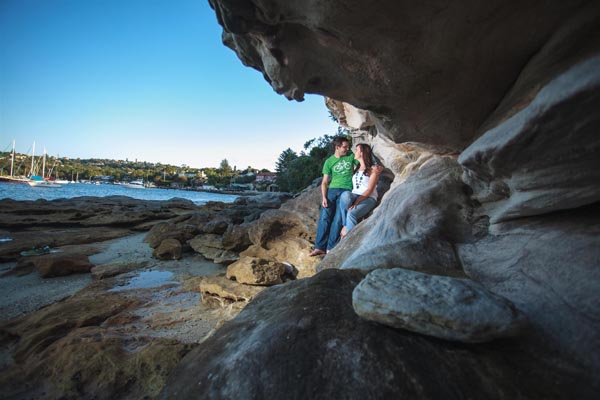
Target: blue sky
[{"x": 140, "y": 79}]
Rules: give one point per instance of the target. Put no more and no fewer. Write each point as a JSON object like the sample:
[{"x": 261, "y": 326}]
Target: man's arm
[{"x": 324, "y": 186}]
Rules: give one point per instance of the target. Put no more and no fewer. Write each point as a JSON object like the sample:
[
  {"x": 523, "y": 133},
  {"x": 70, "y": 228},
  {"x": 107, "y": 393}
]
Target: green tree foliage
[
  {"x": 294, "y": 173},
  {"x": 284, "y": 160},
  {"x": 299, "y": 174},
  {"x": 225, "y": 169}
]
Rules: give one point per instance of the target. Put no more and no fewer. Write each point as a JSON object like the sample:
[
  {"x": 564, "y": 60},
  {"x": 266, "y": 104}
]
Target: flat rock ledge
[
  {"x": 455, "y": 309},
  {"x": 218, "y": 290}
]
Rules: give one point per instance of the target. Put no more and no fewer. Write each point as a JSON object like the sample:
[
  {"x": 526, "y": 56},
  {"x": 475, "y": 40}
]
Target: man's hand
[{"x": 324, "y": 203}]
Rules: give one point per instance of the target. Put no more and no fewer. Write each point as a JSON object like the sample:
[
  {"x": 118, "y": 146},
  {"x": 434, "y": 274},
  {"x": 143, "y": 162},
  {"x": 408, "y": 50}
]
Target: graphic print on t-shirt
[{"x": 342, "y": 166}]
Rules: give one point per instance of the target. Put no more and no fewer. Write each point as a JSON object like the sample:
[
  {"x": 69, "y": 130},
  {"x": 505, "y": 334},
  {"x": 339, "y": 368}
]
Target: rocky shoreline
[
  {"x": 128, "y": 280},
  {"x": 476, "y": 277}
]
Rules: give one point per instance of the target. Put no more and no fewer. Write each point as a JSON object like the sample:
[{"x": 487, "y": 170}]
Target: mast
[
  {"x": 32, "y": 157},
  {"x": 12, "y": 159},
  {"x": 44, "y": 164}
]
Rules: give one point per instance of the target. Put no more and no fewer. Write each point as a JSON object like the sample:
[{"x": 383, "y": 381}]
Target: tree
[
  {"x": 299, "y": 174},
  {"x": 285, "y": 158},
  {"x": 225, "y": 168}
]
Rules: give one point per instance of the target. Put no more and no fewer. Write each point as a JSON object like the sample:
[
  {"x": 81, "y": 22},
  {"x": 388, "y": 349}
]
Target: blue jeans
[
  {"x": 330, "y": 221},
  {"x": 350, "y": 218}
]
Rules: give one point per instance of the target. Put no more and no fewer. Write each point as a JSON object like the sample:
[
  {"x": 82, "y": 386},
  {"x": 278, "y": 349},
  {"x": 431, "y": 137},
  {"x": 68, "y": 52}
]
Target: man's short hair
[{"x": 338, "y": 140}]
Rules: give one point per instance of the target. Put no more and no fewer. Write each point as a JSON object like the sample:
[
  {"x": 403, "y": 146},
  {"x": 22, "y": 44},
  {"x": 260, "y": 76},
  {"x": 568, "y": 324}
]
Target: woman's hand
[{"x": 355, "y": 203}]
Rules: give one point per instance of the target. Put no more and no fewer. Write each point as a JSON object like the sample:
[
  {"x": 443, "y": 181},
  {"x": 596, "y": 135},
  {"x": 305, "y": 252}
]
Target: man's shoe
[{"x": 316, "y": 252}]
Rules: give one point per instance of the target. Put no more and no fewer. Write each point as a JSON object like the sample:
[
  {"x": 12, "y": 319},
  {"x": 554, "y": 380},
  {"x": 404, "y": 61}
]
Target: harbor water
[{"x": 26, "y": 192}]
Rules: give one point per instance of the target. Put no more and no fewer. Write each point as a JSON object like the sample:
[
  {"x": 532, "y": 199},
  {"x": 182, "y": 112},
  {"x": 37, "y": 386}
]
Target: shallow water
[
  {"x": 26, "y": 192},
  {"x": 147, "y": 279}
]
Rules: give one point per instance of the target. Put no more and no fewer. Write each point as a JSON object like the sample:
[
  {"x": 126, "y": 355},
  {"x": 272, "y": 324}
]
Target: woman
[{"x": 363, "y": 197}]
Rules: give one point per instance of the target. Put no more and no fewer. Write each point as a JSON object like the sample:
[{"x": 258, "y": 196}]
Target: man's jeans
[
  {"x": 330, "y": 221},
  {"x": 350, "y": 218}
]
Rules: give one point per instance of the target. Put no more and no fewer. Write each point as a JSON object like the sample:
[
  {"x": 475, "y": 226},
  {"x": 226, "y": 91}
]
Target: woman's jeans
[
  {"x": 330, "y": 221},
  {"x": 350, "y": 218}
]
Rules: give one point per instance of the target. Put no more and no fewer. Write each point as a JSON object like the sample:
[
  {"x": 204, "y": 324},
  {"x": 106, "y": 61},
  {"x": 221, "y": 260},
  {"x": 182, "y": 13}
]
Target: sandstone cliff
[{"x": 486, "y": 114}]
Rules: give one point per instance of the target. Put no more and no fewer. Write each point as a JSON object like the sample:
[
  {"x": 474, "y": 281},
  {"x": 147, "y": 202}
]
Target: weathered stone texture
[
  {"x": 545, "y": 157},
  {"x": 444, "y": 307},
  {"x": 53, "y": 265},
  {"x": 415, "y": 225},
  {"x": 256, "y": 271},
  {"x": 303, "y": 340},
  {"x": 169, "y": 249},
  {"x": 511, "y": 90}
]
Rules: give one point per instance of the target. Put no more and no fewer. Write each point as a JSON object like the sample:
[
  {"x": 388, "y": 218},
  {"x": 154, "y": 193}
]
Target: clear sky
[{"x": 140, "y": 79}]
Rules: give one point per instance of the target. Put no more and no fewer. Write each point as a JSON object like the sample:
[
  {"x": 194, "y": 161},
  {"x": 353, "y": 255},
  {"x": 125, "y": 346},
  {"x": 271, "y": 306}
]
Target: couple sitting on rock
[{"x": 348, "y": 190}]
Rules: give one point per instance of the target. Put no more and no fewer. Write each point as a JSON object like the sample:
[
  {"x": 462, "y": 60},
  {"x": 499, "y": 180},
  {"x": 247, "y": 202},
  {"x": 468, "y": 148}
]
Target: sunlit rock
[{"x": 256, "y": 271}]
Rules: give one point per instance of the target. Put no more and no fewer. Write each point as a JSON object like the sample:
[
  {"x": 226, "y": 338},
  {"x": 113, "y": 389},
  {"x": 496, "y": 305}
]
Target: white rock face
[
  {"x": 547, "y": 156},
  {"x": 414, "y": 225},
  {"x": 548, "y": 266},
  {"x": 440, "y": 306}
]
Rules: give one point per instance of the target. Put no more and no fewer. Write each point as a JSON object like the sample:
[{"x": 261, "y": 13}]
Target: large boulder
[
  {"x": 416, "y": 67},
  {"x": 303, "y": 340},
  {"x": 504, "y": 166},
  {"x": 444, "y": 307},
  {"x": 514, "y": 86},
  {"x": 548, "y": 267}
]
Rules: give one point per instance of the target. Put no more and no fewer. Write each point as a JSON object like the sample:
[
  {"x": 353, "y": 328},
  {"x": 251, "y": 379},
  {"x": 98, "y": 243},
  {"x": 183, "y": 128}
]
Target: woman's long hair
[{"x": 367, "y": 156}]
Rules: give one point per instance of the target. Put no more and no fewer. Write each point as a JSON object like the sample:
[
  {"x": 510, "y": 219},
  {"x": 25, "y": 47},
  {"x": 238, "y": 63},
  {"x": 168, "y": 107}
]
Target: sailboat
[
  {"x": 39, "y": 180},
  {"x": 11, "y": 178}
]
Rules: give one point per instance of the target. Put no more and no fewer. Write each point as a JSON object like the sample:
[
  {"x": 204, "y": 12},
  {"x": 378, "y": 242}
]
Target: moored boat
[
  {"x": 136, "y": 184},
  {"x": 12, "y": 178},
  {"x": 40, "y": 180}
]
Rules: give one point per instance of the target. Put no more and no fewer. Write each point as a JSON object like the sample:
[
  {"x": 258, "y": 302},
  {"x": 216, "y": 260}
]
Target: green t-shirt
[{"x": 340, "y": 170}]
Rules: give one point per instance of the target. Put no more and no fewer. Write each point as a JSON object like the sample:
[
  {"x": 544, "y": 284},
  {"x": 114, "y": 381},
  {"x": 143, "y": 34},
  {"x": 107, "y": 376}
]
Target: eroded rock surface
[
  {"x": 303, "y": 340},
  {"x": 256, "y": 271},
  {"x": 505, "y": 167},
  {"x": 220, "y": 290},
  {"x": 52, "y": 265},
  {"x": 80, "y": 220},
  {"x": 415, "y": 226},
  {"x": 429, "y": 73},
  {"x": 486, "y": 115},
  {"x": 444, "y": 307},
  {"x": 169, "y": 249}
]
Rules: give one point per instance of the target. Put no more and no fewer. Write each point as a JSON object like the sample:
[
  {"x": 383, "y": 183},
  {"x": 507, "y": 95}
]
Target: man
[{"x": 337, "y": 179}]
